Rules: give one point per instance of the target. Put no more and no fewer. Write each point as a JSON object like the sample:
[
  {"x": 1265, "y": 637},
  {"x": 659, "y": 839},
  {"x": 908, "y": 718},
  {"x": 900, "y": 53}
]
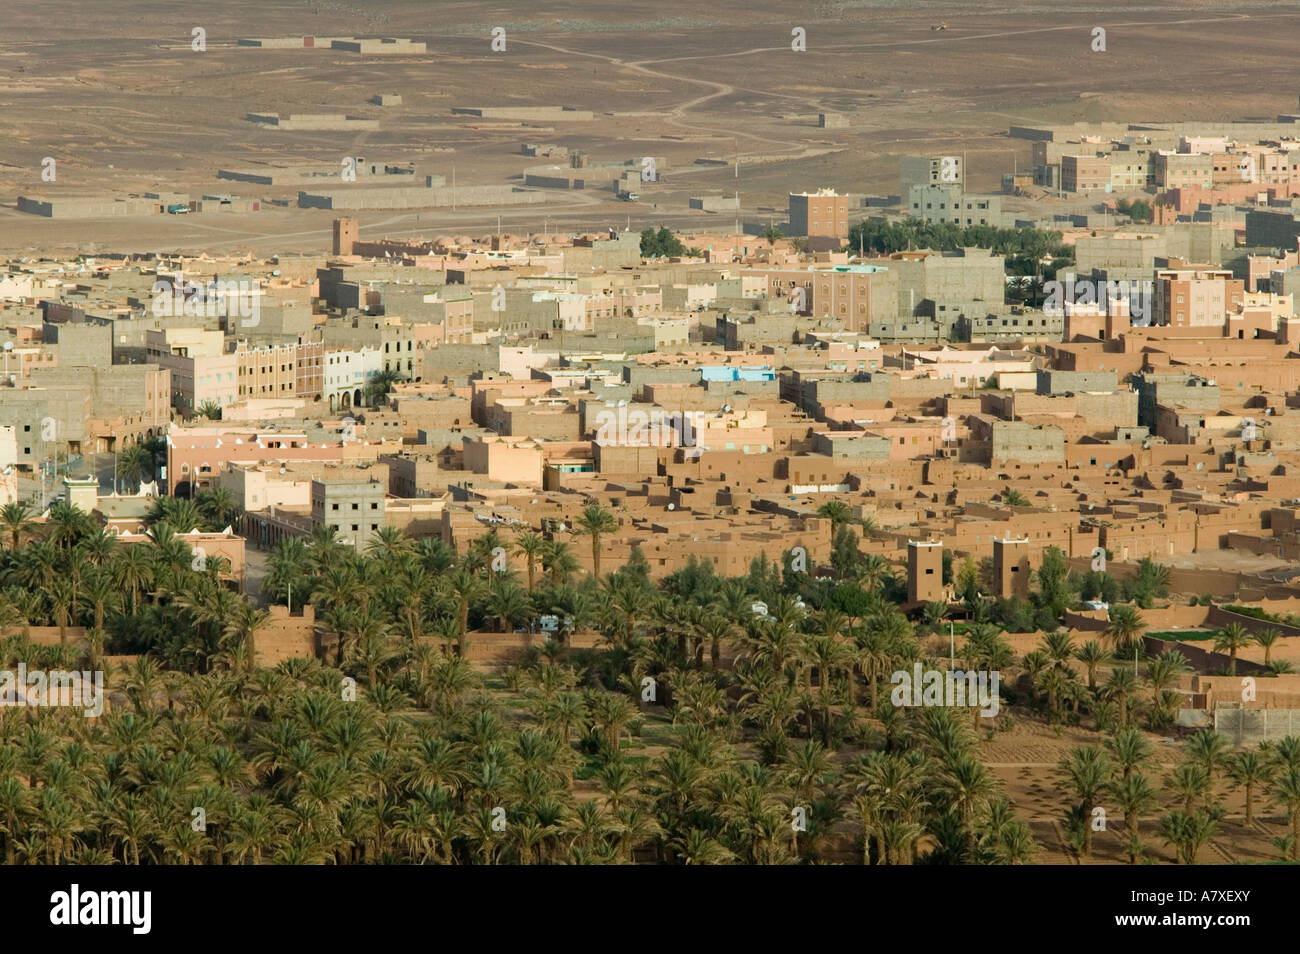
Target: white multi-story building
[{"x": 346, "y": 374}]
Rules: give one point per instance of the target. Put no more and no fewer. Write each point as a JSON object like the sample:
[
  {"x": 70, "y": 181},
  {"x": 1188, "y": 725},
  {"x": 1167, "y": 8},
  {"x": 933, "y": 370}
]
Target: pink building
[{"x": 196, "y": 455}]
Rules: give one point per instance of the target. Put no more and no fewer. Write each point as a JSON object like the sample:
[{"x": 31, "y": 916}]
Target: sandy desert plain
[{"x": 115, "y": 93}]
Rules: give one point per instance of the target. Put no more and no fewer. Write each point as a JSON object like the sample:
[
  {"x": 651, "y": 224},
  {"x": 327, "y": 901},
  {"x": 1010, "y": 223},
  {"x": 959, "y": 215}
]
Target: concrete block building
[{"x": 924, "y": 571}]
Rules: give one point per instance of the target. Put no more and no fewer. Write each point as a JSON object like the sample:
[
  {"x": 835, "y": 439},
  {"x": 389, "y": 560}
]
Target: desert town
[{"x": 647, "y": 543}]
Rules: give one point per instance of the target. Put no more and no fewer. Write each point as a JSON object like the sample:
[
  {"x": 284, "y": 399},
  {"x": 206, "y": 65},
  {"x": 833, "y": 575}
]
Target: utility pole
[{"x": 453, "y": 187}]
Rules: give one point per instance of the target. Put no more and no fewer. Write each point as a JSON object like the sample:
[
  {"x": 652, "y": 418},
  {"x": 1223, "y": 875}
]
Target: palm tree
[
  {"x": 100, "y": 593},
  {"x": 133, "y": 571},
  {"x": 16, "y": 520},
  {"x": 62, "y": 600},
  {"x": 99, "y": 548},
  {"x": 837, "y": 512},
  {"x": 1249, "y": 770},
  {"x": 388, "y": 541},
  {"x": 1087, "y": 771},
  {"x": 1286, "y": 792},
  {"x": 244, "y": 626},
  {"x": 1121, "y": 684},
  {"x": 1189, "y": 781},
  {"x": 873, "y": 572},
  {"x": 1162, "y": 675},
  {"x": 969, "y": 784},
  {"x": 1130, "y": 749},
  {"x": 713, "y": 630},
  {"x": 1126, "y": 624},
  {"x": 1135, "y": 796},
  {"x": 826, "y": 652},
  {"x": 1209, "y": 750},
  {"x": 609, "y": 713},
  {"x": 531, "y": 546},
  {"x": 380, "y": 384},
  {"x": 1186, "y": 833},
  {"x": 217, "y": 505},
  {"x": 176, "y": 512},
  {"x": 936, "y": 611},
  {"x": 1232, "y": 638},
  {"x": 559, "y": 561},
  {"x": 14, "y": 806},
  {"x": 1267, "y": 638},
  {"x": 596, "y": 521},
  {"x": 66, "y": 525},
  {"x": 508, "y": 603},
  {"x": 697, "y": 847},
  {"x": 1092, "y": 654},
  {"x": 466, "y": 587},
  {"x": 563, "y": 712},
  {"x": 133, "y": 465}
]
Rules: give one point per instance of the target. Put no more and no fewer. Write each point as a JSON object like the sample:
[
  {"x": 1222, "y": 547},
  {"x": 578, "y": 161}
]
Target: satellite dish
[{"x": 671, "y": 506}]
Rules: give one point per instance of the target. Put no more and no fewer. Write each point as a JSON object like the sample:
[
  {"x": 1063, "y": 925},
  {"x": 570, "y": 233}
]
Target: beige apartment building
[
  {"x": 855, "y": 294},
  {"x": 1196, "y": 298},
  {"x": 266, "y": 372},
  {"x": 201, "y": 372},
  {"x": 821, "y": 216},
  {"x": 1177, "y": 170},
  {"x": 1085, "y": 173}
]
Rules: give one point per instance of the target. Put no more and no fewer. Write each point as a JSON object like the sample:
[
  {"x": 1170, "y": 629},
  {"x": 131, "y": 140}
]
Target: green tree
[
  {"x": 595, "y": 521},
  {"x": 1267, "y": 638},
  {"x": 661, "y": 244},
  {"x": 1249, "y": 771},
  {"x": 16, "y": 520},
  {"x": 1126, "y": 624},
  {"x": 1086, "y": 770},
  {"x": 1232, "y": 638}
]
